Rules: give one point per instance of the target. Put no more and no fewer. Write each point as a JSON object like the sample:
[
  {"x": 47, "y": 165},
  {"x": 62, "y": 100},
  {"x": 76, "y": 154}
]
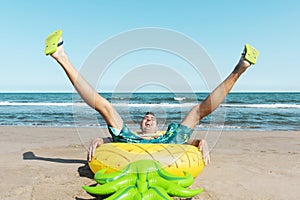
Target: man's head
[{"x": 149, "y": 123}]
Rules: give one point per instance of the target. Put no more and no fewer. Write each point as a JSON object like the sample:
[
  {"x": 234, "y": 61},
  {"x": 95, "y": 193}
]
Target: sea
[{"x": 240, "y": 111}]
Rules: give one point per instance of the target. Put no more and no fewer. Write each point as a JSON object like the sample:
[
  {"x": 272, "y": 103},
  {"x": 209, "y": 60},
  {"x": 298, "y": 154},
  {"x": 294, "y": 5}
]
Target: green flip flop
[
  {"x": 250, "y": 54},
  {"x": 52, "y": 42}
]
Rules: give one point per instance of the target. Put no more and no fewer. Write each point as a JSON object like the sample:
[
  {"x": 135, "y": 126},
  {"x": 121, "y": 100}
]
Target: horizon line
[{"x": 258, "y": 91}]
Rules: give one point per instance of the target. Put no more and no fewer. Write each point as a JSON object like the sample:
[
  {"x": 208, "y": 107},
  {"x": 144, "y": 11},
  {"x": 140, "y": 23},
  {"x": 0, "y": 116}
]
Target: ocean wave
[
  {"x": 172, "y": 105},
  {"x": 179, "y": 98},
  {"x": 6, "y": 103},
  {"x": 262, "y": 105}
]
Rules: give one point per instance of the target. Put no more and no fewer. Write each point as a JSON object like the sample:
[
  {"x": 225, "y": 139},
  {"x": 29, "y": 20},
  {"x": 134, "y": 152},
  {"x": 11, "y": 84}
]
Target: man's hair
[{"x": 150, "y": 113}]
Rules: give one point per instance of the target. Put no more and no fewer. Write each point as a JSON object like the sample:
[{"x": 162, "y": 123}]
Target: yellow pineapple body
[{"x": 175, "y": 158}]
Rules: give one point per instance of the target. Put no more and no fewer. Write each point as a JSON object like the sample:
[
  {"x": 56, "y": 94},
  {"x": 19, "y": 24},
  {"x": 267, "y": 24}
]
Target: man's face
[{"x": 149, "y": 124}]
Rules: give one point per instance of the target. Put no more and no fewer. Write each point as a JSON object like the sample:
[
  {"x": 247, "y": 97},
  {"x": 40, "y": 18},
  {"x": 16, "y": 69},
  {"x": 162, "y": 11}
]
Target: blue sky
[{"x": 220, "y": 27}]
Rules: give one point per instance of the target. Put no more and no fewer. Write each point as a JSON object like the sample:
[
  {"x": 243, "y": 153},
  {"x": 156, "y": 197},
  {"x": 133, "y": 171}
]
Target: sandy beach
[{"x": 50, "y": 163}]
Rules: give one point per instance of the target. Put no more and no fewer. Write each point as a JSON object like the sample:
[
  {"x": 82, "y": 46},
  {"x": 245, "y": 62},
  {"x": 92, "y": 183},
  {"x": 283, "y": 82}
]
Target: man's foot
[
  {"x": 52, "y": 42},
  {"x": 248, "y": 58},
  {"x": 54, "y": 46},
  {"x": 60, "y": 52},
  {"x": 250, "y": 54}
]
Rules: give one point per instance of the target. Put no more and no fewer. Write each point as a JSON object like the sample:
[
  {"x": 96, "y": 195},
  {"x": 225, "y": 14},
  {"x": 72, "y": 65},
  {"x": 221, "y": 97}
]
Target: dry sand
[{"x": 49, "y": 163}]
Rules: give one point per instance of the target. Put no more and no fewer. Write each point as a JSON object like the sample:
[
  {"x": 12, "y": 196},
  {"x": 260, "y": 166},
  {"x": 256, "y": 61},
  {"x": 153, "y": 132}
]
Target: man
[{"x": 176, "y": 132}]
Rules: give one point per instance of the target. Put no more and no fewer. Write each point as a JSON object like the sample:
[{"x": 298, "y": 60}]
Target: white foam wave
[
  {"x": 277, "y": 105},
  {"x": 171, "y": 105},
  {"x": 5, "y": 103}
]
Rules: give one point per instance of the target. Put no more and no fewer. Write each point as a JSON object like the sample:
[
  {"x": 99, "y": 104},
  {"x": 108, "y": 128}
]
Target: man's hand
[
  {"x": 94, "y": 144},
  {"x": 203, "y": 147}
]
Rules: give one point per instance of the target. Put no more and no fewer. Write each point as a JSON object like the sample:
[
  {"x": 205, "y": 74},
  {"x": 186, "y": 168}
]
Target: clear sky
[{"x": 220, "y": 27}]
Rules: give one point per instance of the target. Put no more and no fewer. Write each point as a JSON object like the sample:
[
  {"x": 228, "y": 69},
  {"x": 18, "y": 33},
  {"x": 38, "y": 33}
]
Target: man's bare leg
[
  {"x": 211, "y": 102},
  {"x": 90, "y": 96}
]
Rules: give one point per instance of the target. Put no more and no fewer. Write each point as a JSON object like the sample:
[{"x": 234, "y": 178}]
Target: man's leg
[
  {"x": 88, "y": 93},
  {"x": 90, "y": 96},
  {"x": 213, "y": 101}
]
